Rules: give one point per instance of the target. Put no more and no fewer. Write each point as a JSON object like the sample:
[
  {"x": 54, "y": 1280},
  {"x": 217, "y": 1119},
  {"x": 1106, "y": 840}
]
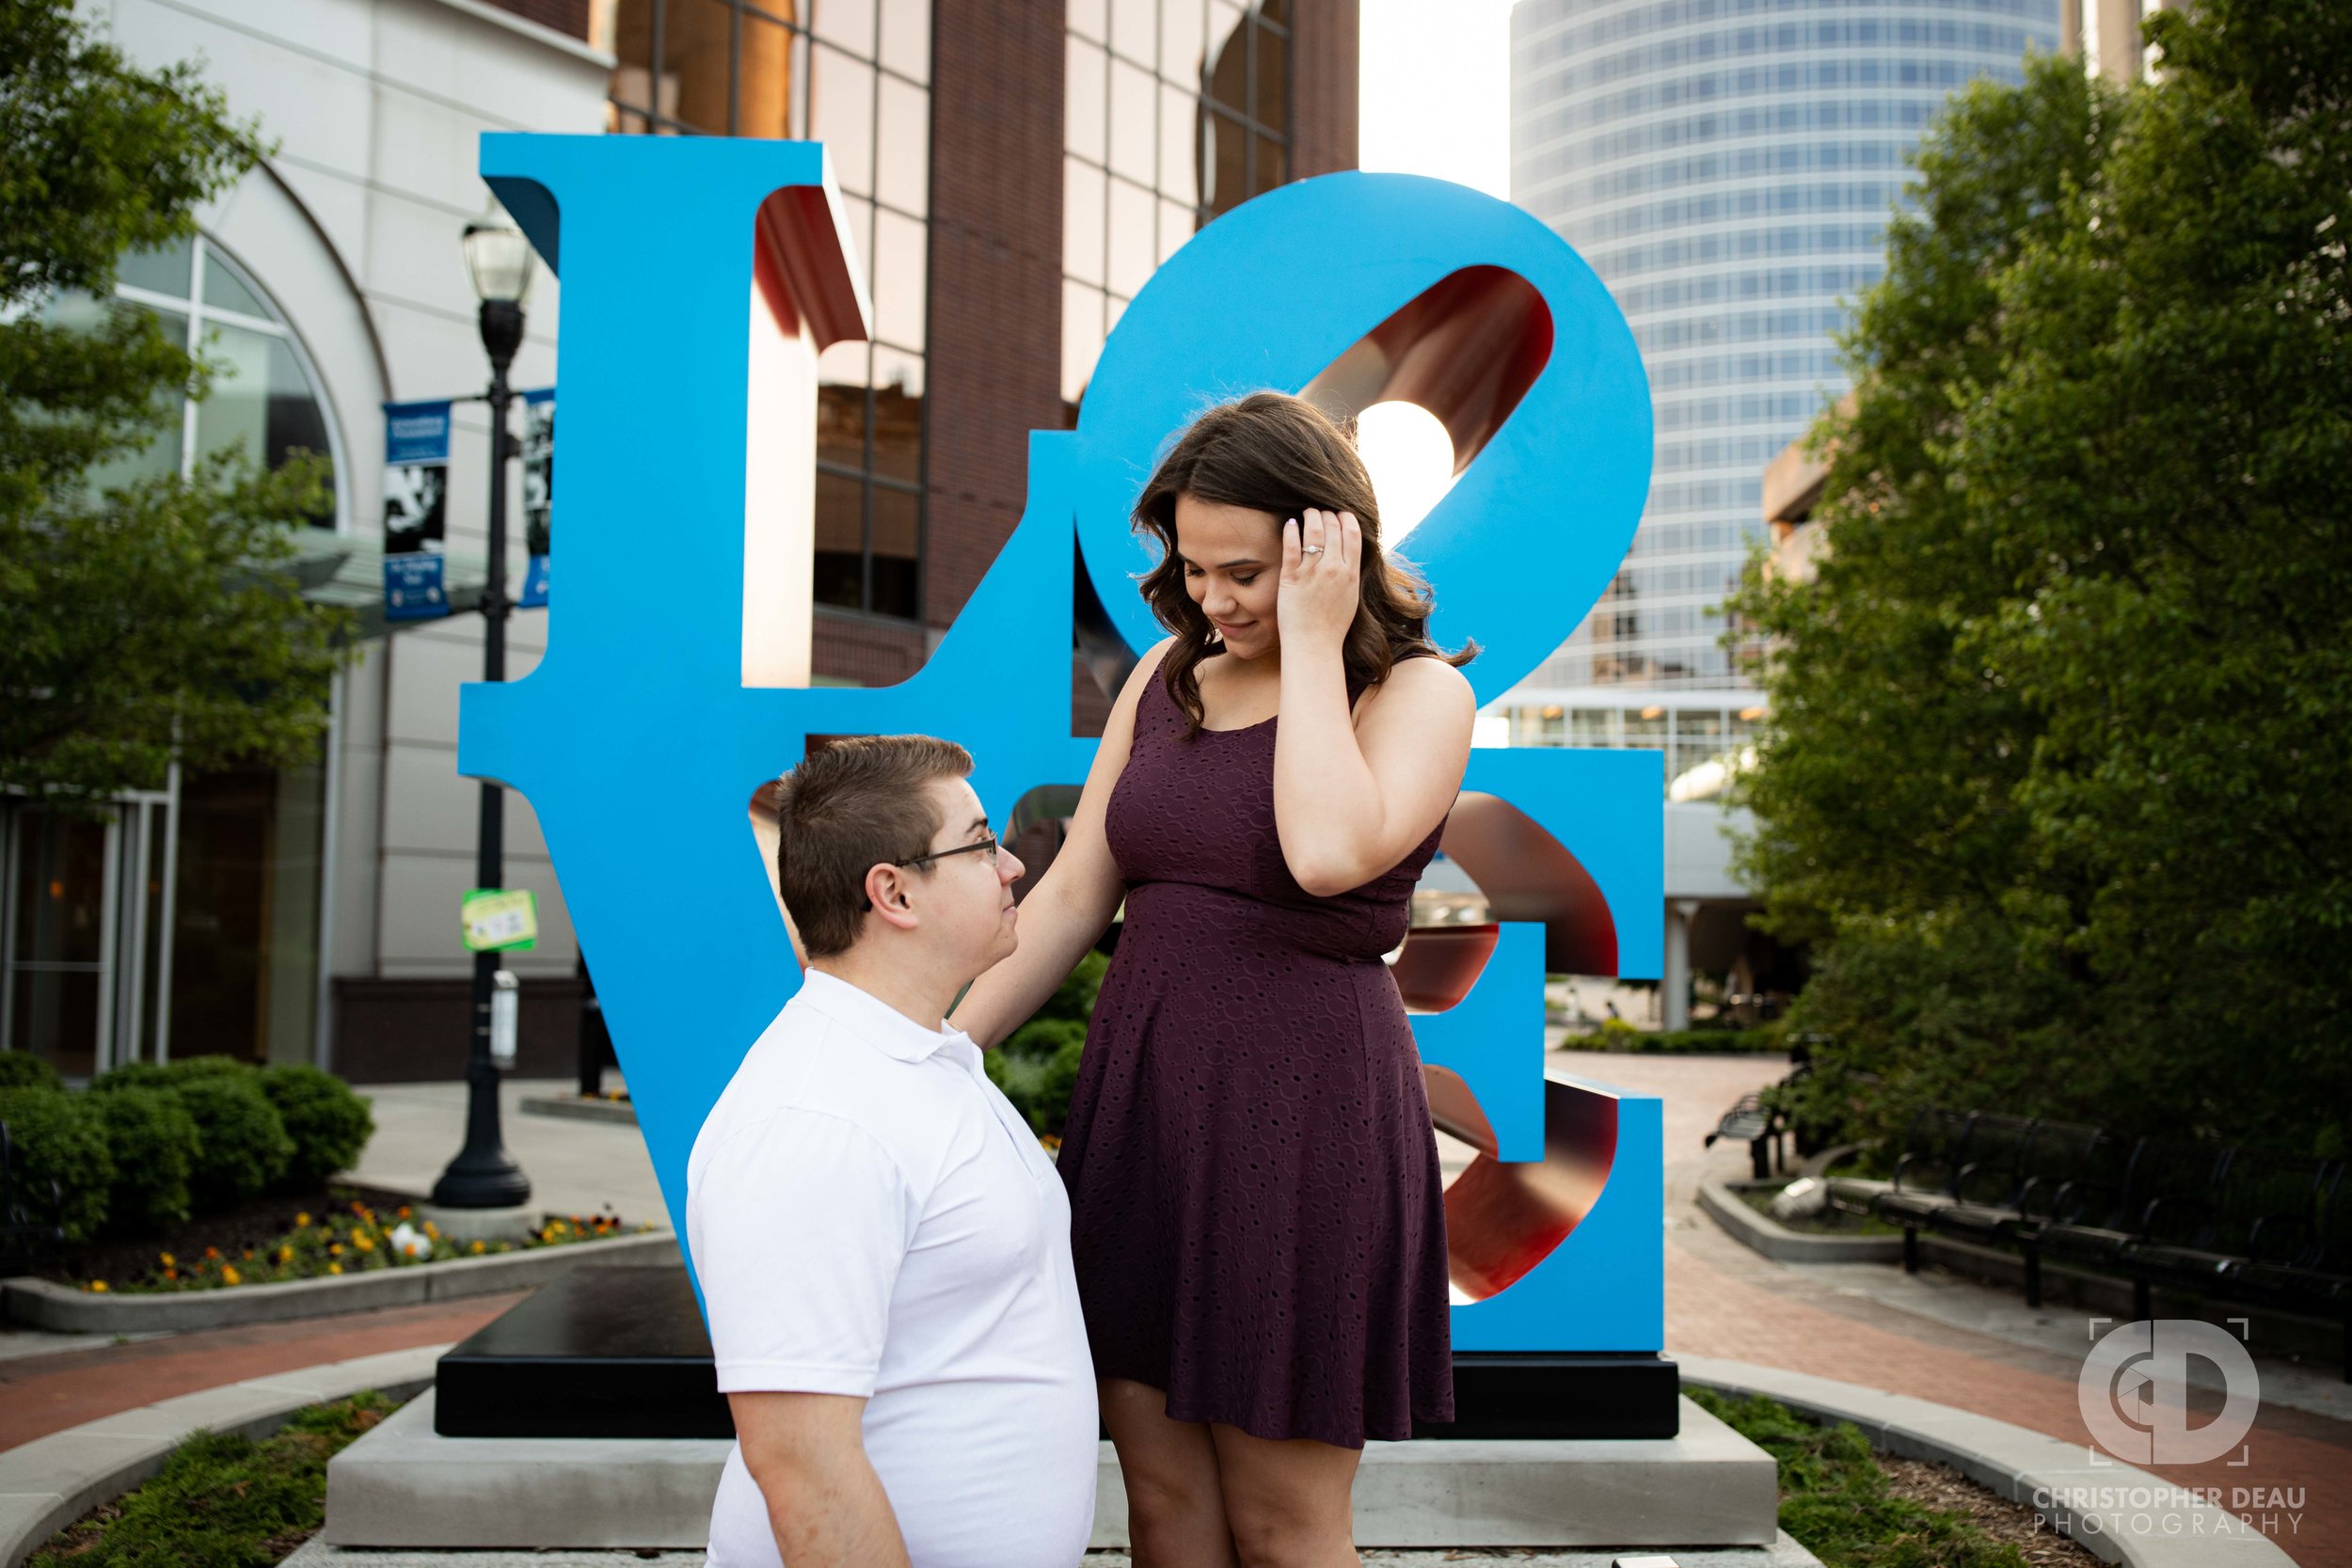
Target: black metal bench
[
  {"x": 1935, "y": 1149},
  {"x": 1750, "y": 1120},
  {"x": 2307, "y": 1270},
  {"x": 2008, "y": 1189}
]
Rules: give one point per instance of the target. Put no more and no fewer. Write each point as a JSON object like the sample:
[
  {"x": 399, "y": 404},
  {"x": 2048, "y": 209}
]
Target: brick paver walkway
[{"x": 42, "y": 1394}]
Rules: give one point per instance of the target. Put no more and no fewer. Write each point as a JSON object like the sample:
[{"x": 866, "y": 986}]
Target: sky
[
  {"x": 1435, "y": 99},
  {"x": 1435, "y": 91}
]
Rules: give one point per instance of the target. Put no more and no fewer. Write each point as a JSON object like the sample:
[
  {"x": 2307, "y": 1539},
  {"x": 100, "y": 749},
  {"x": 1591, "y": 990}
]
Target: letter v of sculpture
[{"x": 638, "y": 738}]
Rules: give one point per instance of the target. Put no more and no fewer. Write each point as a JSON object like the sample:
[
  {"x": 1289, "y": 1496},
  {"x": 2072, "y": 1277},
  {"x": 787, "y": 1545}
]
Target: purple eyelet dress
[{"x": 1256, "y": 1210}]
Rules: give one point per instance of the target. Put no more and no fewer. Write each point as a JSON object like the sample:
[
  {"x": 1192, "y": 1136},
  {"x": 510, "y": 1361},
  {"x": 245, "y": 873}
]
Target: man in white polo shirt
[{"x": 883, "y": 1249}]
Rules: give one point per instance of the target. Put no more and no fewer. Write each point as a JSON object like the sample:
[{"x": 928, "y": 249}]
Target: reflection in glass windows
[
  {"x": 1176, "y": 111},
  {"x": 263, "y": 401},
  {"x": 854, "y": 74},
  {"x": 1729, "y": 172}
]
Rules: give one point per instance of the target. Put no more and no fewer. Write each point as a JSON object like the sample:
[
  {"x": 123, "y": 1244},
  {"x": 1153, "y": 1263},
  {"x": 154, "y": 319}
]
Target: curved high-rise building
[{"x": 1727, "y": 166}]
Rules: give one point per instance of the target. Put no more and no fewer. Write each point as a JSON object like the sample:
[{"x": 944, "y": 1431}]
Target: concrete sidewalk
[{"x": 576, "y": 1167}]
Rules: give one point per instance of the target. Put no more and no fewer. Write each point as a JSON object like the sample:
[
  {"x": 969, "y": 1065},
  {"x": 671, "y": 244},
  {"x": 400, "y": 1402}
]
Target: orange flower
[
  {"x": 403, "y": 1212},
  {"x": 212, "y": 1252},
  {"x": 171, "y": 1274}
]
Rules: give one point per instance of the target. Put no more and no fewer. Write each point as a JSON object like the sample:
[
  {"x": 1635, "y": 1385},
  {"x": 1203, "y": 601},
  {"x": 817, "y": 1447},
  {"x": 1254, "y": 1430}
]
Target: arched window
[{"x": 264, "y": 396}]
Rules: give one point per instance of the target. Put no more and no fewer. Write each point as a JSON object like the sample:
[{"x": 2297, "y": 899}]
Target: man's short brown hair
[{"x": 856, "y": 804}]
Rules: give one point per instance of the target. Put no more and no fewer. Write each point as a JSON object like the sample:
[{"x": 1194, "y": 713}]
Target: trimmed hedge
[
  {"x": 21, "y": 1070},
  {"x": 329, "y": 1125},
  {"x": 153, "y": 1143},
  {"x": 57, "y": 1137},
  {"x": 242, "y": 1147},
  {"x": 185, "y": 1137},
  {"x": 1764, "y": 1041}
]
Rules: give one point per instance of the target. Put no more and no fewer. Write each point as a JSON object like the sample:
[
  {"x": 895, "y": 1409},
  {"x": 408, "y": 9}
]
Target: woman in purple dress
[{"x": 1257, "y": 1218}]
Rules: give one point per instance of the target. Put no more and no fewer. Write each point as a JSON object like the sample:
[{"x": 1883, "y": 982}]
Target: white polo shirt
[{"x": 869, "y": 1216}]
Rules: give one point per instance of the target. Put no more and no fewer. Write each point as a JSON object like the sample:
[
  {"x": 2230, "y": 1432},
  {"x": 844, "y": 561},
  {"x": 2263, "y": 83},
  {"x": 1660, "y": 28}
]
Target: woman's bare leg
[
  {"x": 1289, "y": 1503},
  {"x": 1175, "y": 1509}
]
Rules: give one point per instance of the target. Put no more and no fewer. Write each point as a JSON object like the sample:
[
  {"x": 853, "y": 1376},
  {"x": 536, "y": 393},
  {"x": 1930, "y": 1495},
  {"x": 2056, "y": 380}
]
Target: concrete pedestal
[{"x": 402, "y": 1485}]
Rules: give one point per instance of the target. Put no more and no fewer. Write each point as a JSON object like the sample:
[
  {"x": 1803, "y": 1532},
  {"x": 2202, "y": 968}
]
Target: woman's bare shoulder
[{"x": 1420, "y": 679}]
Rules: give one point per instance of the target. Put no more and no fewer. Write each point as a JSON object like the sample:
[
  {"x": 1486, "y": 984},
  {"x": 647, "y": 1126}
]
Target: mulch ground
[{"x": 1934, "y": 1485}]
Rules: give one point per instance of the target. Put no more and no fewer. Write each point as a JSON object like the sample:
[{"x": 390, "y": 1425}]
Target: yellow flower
[
  {"x": 433, "y": 1231},
  {"x": 285, "y": 1255},
  {"x": 169, "y": 1261},
  {"x": 334, "y": 1250},
  {"x": 99, "y": 1286},
  {"x": 334, "y": 1268},
  {"x": 302, "y": 1219},
  {"x": 477, "y": 1246},
  {"x": 361, "y": 1241},
  {"x": 228, "y": 1276}
]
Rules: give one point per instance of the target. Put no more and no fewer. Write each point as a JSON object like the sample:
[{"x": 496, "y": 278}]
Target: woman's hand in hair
[{"x": 1319, "y": 592}]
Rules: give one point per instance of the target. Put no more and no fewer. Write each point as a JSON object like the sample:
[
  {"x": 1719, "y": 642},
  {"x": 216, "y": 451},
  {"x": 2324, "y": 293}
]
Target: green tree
[
  {"x": 160, "y": 618},
  {"x": 2059, "y": 730}
]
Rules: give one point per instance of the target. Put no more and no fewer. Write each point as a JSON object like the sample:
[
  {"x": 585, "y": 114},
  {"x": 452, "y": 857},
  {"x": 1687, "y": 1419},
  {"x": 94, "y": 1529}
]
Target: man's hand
[{"x": 807, "y": 1453}]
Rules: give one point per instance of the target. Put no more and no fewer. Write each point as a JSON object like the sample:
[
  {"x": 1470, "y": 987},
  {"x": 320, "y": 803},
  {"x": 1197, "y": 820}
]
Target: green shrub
[
  {"x": 242, "y": 1144},
  {"x": 54, "y": 1136},
  {"x": 1615, "y": 1035},
  {"x": 329, "y": 1125},
  {"x": 1036, "y": 1068},
  {"x": 1073, "y": 999},
  {"x": 21, "y": 1070},
  {"x": 1038, "y": 1063},
  {"x": 151, "y": 1140},
  {"x": 180, "y": 1068},
  {"x": 133, "y": 1075}
]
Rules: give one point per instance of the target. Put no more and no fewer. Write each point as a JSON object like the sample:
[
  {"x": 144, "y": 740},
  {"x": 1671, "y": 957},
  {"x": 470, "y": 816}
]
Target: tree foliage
[
  {"x": 159, "y": 619},
  {"x": 2058, "y": 734}
]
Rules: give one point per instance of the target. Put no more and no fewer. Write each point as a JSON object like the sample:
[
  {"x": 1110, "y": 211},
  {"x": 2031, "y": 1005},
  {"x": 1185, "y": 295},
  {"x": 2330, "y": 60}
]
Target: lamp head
[{"x": 499, "y": 258}]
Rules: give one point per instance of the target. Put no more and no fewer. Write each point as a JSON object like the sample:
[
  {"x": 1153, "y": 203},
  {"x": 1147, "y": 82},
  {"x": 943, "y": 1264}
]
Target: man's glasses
[{"x": 987, "y": 844}]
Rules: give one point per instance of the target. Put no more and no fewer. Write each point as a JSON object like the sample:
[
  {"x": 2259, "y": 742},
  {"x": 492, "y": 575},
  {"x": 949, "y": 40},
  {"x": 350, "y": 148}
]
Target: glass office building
[{"x": 1728, "y": 167}]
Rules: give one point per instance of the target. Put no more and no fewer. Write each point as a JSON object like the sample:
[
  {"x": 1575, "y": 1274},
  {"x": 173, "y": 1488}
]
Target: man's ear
[{"x": 886, "y": 890}]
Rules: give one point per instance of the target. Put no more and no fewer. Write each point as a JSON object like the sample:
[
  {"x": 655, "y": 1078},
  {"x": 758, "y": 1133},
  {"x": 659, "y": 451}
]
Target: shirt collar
[{"x": 872, "y": 1019}]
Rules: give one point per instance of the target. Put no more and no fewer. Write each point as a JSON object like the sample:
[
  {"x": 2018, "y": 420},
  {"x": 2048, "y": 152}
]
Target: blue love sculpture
[{"x": 647, "y": 725}]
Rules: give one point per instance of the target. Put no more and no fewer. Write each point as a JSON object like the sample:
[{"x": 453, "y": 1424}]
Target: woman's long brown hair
[{"x": 1275, "y": 453}]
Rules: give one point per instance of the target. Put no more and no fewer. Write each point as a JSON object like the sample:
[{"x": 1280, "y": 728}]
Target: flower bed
[{"x": 357, "y": 1240}]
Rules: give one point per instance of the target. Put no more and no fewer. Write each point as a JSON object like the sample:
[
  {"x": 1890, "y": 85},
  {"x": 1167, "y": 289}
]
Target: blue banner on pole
[
  {"x": 538, "y": 491},
  {"x": 416, "y": 509}
]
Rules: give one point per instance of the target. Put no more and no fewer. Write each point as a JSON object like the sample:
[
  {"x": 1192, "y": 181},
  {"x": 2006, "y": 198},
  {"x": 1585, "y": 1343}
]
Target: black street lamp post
[{"x": 483, "y": 1175}]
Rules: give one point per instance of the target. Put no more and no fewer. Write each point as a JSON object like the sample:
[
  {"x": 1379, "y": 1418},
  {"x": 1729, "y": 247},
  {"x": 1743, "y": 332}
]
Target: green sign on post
[{"x": 500, "y": 920}]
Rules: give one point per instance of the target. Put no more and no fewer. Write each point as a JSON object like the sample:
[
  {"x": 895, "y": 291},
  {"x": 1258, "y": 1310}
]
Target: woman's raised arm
[
  {"x": 1064, "y": 914},
  {"x": 1351, "y": 799}
]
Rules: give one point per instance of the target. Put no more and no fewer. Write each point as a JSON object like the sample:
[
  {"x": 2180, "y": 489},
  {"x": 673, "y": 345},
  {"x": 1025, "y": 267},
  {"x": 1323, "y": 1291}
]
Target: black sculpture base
[{"x": 621, "y": 1351}]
